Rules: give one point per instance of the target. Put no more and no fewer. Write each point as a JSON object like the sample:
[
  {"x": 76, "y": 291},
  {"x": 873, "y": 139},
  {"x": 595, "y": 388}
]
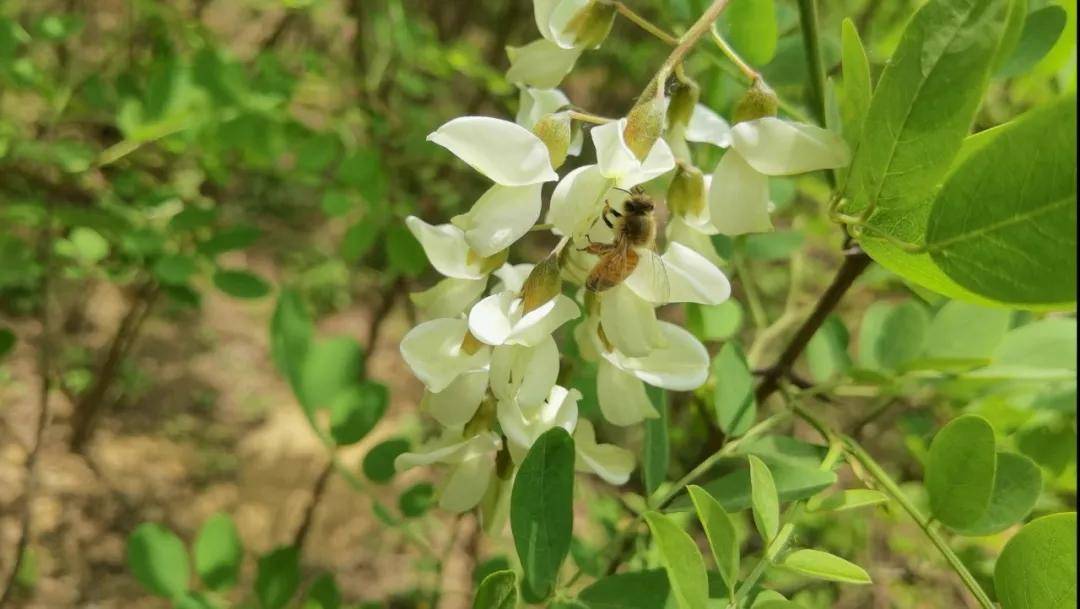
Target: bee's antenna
[{"x": 624, "y": 190}]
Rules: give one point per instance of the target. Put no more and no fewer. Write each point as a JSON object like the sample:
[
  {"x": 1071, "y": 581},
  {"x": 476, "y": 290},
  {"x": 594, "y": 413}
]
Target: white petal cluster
[{"x": 567, "y": 28}]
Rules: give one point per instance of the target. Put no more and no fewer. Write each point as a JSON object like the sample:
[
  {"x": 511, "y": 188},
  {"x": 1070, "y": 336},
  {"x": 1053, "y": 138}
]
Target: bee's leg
[
  {"x": 598, "y": 249},
  {"x": 608, "y": 209}
]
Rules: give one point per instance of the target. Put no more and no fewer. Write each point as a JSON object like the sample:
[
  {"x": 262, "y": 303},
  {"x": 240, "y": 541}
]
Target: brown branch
[
  {"x": 309, "y": 514},
  {"x": 855, "y": 262},
  {"x": 45, "y": 247}
]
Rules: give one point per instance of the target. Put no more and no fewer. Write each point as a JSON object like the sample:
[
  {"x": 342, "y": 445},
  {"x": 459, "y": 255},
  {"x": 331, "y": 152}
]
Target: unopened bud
[
  {"x": 591, "y": 25},
  {"x": 683, "y": 99},
  {"x": 759, "y": 101},
  {"x": 555, "y": 131},
  {"x": 686, "y": 193},
  {"x": 645, "y": 123},
  {"x": 542, "y": 284}
]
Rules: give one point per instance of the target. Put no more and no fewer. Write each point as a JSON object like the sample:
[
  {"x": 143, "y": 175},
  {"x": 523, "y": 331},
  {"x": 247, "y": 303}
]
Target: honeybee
[{"x": 635, "y": 229}]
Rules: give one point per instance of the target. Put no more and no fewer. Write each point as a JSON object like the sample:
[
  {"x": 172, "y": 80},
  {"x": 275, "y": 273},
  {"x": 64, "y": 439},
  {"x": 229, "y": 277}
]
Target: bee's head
[{"x": 638, "y": 203}]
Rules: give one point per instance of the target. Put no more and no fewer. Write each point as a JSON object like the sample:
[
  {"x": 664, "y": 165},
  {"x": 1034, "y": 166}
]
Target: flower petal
[
  {"x": 561, "y": 18},
  {"x": 693, "y": 278},
  {"x": 457, "y": 403},
  {"x": 522, "y": 426},
  {"x": 505, "y": 152},
  {"x": 777, "y": 147},
  {"x": 681, "y": 365},
  {"x": 490, "y": 319},
  {"x": 525, "y": 374},
  {"x": 538, "y": 324},
  {"x": 448, "y": 298},
  {"x": 578, "y": 199},
  {"x": 446, "y": 249},
  {"x": 659, "y": 161},
  {"x": 612, "y": 154},
  {"x": 738, "y": 197},
  {"x": 468, "y": 482},
  {"x": 433, "y": 351},
  {"x": 512, "y": 277},
  {"x": 622, "y": 396},
  {"x": 706, "y": 126},
  {"x": 500, "y": 217},
  {"x": 498, "y": 319},
  {"x": 679, "y": 231},
  {"x": 542, "y": 10},
  {"x": 629, "y": 321},
  {"x": 612, "y": 463},
  {"x": 541, "y": 63},
  {"x": 534, "y": 104}
]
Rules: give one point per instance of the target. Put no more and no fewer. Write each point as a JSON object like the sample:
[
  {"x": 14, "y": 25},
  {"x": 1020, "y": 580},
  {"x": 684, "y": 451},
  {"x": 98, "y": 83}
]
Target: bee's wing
[{"x": 650, "y": 278}]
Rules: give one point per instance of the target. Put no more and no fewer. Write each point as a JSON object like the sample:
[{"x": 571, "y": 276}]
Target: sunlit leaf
[
  {"x": 158, "y": 559},
  {"x": 218, "y": 552},
  {"x": 764, "y": 499},
  {"x": 960, "y": 471},
  {"x": 682, "y": 561},
  {"x": 822, "y": 565},
  {"x": 1037, "y": 568}
]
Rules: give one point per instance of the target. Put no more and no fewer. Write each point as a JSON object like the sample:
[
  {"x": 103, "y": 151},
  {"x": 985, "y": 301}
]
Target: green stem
[
  {"x": 644, "y": 23},
  {"x": 750, "y": 73},
  {"x": 690, "y": 38},
  {"x": 746, "y": 277},
  {"x": 808, "y": 20},
  {"x": 889, "y": 486}
]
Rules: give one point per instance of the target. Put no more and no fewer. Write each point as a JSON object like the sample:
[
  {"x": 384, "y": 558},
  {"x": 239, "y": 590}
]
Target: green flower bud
[
  {"x": 758, "y": 102},
  {"x": 683, "y": 99},
  {"x": 645, "y": 123},
  {"x": 555, "y": 131},
  {"x": 686, "y": 193},
  {"x": 591, "y": 25},
  {"x": 542, "y": 284}
]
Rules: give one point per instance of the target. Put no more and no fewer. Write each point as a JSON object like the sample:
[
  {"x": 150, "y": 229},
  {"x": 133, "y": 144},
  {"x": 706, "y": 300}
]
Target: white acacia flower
[
  {"x": 456, "y": 404},
  {"x": 448, "y": 298},
  {"x": 540, "y": 63},
  {"x": 612, "y": 463},
  {"x": 512, "y": 277},
  {"x": 707, "y": 127},
  {"x": 437, "y": 351},
  {"x": 500, "y": 319},
  {"x": 579, "y": 197},
  {"x": 564, "y": 22},
  {"x": 501, "y": 216},
  {"x": 472, "y": 466},
  {"x": 739, "y": 193},
  {"x": 679, "y": 230},
  {"x": 524, "y": 375},
  {"x": 534, "y": 104},
  {"x": 448, "y": 251}
]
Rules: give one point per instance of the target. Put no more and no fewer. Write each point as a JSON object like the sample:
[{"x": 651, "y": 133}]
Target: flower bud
[
  {"x": 591, "y": 25},
  {"x": 683, "y": 99},
  {"x": 542, "y": 284},
  {"x": 759, "y": 101},
  {"x": 554, "y": 130},
  {"x": 686, "y": 193},
  {"x": 645, "y": 123}
]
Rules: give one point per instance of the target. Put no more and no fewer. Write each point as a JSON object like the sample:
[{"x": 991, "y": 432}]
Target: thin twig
[
  {"x": 808, "y": 21},
  {"x": 689, "y": 39},
  {"x": 645, "y": 24},
  {"x": 309, "y": 514}
]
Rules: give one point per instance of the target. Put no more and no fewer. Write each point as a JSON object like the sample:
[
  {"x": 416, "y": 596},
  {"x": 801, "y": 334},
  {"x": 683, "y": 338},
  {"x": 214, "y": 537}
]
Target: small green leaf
[
  {"x": 733, "y": 398},
  {"x": 7, "y": 341},
  {"x": 174, "y": 269},
  {"x": 277, "y": 577},
  {"x": 218, "y": 552},
  {"x": 158, "y": 559},
  {"x": 767, "y": 597},
  {"x": 379, "y": 462},
  {"x": 403, "y": 251},
  {"x": 194, "y": 600},
  {"x": 751, "y": 28},
  {"x": 497, "y": 591},
  {"x": 733, "y": 490},
  {"x": 1017, "y": 484},
  {"x": 822, "y": 565},
  {"x": 359, "y": 240},
  {"x": 847, "y": 500},
  {"x": 682, "y": 561},
  {"x": 720, "y": 531},
  {"x": 857, "y": 87},
  {"x": 330, "y": 367},
  {"x": 960, "y": 471},
  {"x": 714, "y": 322},
  {"x": 1047, "y": 345},
  {"x": 1040, "y": 32},
  {"x": 966, "y": 331},
  {"x": 1037, "y": 568},
  {"x": 230, "y": 239},
  {"x": 827, "y": 352},
  {"x": 764, "y": 499},
  {"x": 417, "y": 500},
  {"x": 241, "y": 284},
  {"x": 323, "y": 593},
  {"x": 634, "y": 590},
  {"x": 356, "y": 410},
  {"x": 657, "y": 446},
  {"x": 87, "y": 245},
  {"x": 290, "y": 334},
  {"x": 776, "y": 604},
  {"x": 892, "y": 335},
  {"x": 542, "y": 511},
  {"x": 336, "y": 203}
]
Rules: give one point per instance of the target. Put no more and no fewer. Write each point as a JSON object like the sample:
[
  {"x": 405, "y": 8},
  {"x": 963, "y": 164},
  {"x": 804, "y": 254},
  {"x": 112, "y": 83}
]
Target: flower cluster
[{"x": 488, "y": 357}]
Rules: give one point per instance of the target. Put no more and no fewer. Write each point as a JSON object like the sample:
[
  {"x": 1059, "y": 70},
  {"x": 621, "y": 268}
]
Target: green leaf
[
  {"x": 7, "y": 341},
  {"x": 657, "y": 447},
  {"x": 1046, "y": 346},
  {"x": 1024, "y": 186},
  {"x": 1017, "y": 484},
  {"x": 290, "y": 334},
  {"x": 750, "y": 26},
  {"x": 714, "y": 322},
  {"x": 497, "y": 591},
  {"x": 363, "y": 170},
  {"x": 720, "y": 531},
  {"x": 194, "y": 600},
  {"x": 356, "y": 410},
  {"x": 230, "y": 239},
  {"x": 892, "y": 335},
  {"x": 85, "y": 245},
  {"x": 962, "y": 331},
  {"x": 827, "y": 352},
  {"x": 417, "y": 500},
  {"x": 822, "y": 565},
  {"x": 378, "y": 464},
  {"x": 1040, "y": 32},
  {"x": 921, "y": 110},
  {"x": 764, "y": 499},
  {"x": 330, "y": 367},
  {"x": 336, "y": 203},
  {"x": 403, "y": 251},
  {"x": 847, "y": 500},
  {"x": 158, "y": 559},
  {"x": 174, "y": 269},
  {"x": 542, "y": 511},
  {"x": 322, "y": 594},
  {"x": 359, "y": 240},
  {"x": 776, "y": 604},
  {"x": 1037, "y": 568},
  {"x": 634, "y": 590},
  {"x": 241, "y": 284},
  {"x": 857, "y": 87},
  {"x": 733, "y": 490},
  {"x": 733, "y": 397},
  {"x": 682, "y": 561},
  {"x": 960, "y": 471},
  {"x": 777, "y": 450},
  {"x": 277, "y": 577},
  {"x": 218, "y": 552}
]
